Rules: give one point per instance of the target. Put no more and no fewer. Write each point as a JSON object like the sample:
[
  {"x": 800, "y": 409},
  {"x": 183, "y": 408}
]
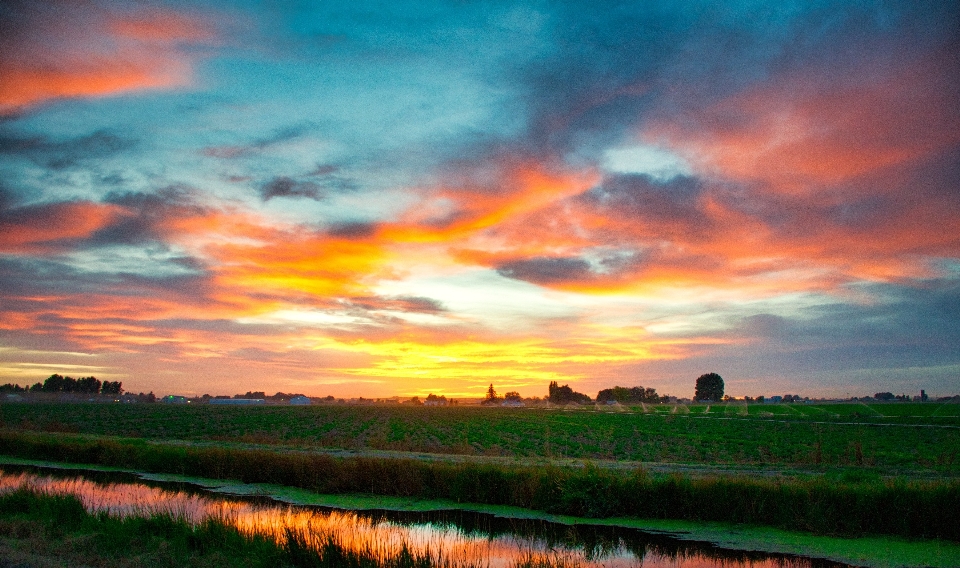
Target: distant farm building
[
  {"x": 238, "y": 401},
  {"x": 300, "y": 400},
  {"x": 174, "y": 399}
]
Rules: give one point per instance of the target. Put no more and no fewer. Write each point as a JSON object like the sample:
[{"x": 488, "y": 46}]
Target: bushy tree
[
  {"x": 626, "y": 395},
  {"x": 252, "y": 394},
  {"x": 564, "y": 394},
  {"x": 88, "y": 385},
  {"x": 709, "y": 387},
  {"x": 55, "y": 383}
]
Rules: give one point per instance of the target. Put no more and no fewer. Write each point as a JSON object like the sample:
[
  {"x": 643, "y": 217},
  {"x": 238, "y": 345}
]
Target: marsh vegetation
[{"x": 114, "y": 522}]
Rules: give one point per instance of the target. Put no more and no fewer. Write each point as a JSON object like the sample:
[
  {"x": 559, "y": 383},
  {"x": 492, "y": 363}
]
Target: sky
[{"x": 377, "y": 199}]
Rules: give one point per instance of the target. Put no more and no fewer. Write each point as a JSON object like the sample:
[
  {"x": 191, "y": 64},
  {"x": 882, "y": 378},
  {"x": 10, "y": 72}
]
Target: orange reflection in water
[{"x": 446, "y": 545}]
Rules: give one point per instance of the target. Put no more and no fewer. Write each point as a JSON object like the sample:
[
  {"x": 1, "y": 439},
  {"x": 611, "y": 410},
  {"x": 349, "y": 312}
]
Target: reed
[
  {"x": 845, "y": 505},
  {"x": 36, "y": 519}
]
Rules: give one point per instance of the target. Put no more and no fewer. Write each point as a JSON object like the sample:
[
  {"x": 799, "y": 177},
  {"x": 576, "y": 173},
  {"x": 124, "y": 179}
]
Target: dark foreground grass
[
  {"x": 848, "y": 506},
  {"x": 57, "y": 527},
  {"x": 927, "y": 437}
]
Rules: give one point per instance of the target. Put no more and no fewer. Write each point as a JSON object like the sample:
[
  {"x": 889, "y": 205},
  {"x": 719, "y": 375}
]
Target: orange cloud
[
  {"x": 38, "y": 228},
  {"x": 464, "y": 207},
  {"x": 254, "y": 265},
  {"x": 807, "y": 132},
  {"x": 298, "y": 267},
  {"x": 805, "y": 183},
  {"x": 99, "y": 54}
]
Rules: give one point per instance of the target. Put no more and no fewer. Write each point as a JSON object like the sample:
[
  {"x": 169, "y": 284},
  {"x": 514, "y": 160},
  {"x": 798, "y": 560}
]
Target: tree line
[{"x": 58, "y": 383}]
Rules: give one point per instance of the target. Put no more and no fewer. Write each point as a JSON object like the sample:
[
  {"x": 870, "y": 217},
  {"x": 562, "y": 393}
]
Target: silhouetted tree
[
  {"x": 59, "y": 383},
  {"x": 111, "y": 387},
  {"x": 88, "y": 385},
  {"x": 709, "y": 387},
  {"x": 492, "y": 397},
  {"x": 253, "y": 394},
  {"x": 564, "y": 394},
  {"x": 626, "y": 395},
  {"x": 54, "y": 383}
]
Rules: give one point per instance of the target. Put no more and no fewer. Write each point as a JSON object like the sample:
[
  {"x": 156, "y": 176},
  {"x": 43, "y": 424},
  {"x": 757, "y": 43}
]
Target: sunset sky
[{"x": 376, "y": 199}]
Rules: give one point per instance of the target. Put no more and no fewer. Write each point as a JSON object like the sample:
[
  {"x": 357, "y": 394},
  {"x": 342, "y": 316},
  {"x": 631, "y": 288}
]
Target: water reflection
[{"x": 453, "y": 538}]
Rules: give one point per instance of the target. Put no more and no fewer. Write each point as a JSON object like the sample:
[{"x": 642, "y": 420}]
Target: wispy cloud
[
  {"x": 482, "y": 194},
  {"x": 64, "y": 49}
]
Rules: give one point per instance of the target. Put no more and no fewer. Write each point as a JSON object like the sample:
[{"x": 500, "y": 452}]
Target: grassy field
[
  {"x": 895, "y": 437},
  {"x": 847, "y": 505},
  {"x": 853, "y": 469}
]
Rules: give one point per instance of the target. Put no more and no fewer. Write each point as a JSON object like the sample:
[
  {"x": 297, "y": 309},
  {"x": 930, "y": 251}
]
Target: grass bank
[
  {"x": 858, "y": 503},
  {"x": 31, "y": 521},
  {"x": 725, "y": 539}
]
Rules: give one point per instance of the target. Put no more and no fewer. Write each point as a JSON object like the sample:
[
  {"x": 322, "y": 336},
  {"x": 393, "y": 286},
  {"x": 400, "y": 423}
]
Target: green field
[
  {"x": 833, "y": 469},
  {"x": 892, "y": 437}
]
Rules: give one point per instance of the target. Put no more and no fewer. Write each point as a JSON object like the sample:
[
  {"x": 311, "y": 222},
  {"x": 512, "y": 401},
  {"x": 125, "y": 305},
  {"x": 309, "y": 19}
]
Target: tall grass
[
  {"x": 837, "y": 506},
  {"x": 31, "y": 518},
  {"x": 100, "y": 538}
]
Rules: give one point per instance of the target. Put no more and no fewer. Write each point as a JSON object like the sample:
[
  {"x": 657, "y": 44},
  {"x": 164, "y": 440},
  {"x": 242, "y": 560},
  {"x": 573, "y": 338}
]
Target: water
[{"x": 453, "y": 538}]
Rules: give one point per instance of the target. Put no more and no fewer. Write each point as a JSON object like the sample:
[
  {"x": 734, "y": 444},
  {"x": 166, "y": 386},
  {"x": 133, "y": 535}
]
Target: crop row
[{"x": 648, "y": 437}]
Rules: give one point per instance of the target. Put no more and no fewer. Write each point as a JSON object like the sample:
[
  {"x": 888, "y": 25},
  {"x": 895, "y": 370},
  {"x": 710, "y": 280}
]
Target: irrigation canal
[{"x": 458, "y": 537}]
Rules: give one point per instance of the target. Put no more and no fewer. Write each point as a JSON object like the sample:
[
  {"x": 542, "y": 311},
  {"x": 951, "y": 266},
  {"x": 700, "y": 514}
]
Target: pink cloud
[
  {"x": 812, "y": 131},
  {"x": 91, "y": 53},
  {"x": 38, "y": 228}
]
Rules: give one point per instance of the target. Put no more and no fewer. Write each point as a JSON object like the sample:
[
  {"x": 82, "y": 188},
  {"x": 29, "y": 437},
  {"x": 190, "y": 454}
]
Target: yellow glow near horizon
[{"x": 450, "y": 365}]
